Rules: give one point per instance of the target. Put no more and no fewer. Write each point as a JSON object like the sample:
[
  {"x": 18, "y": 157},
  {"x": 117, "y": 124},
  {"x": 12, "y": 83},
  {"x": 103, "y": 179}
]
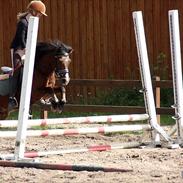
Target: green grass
[{"x": 167, "y": 120}]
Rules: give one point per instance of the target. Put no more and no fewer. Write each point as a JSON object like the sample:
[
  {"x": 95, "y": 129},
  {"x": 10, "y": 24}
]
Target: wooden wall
[{"x": 101, "y": 33}]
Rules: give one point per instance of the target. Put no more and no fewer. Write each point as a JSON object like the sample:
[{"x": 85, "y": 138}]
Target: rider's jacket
[{"x": 19, "y": 41}]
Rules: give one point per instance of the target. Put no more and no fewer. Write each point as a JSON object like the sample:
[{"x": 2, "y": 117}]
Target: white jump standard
[
  {"x": 146, "y": 77},
  {"x": 176, "y": 71},
  {"x": 26, "y": 87}
]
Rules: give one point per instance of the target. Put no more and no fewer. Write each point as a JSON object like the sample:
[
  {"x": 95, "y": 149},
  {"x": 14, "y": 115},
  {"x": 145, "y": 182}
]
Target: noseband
[
  {"x": 58, "y": 71},
  {"x": 61, "y": 72}
]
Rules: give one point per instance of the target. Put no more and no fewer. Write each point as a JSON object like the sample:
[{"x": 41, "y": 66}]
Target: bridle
[{"x": 59, "y": 72}]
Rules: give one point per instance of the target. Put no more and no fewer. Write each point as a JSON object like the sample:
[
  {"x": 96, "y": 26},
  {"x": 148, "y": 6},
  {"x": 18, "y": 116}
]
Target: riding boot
[{"x": 12, "y": 103}]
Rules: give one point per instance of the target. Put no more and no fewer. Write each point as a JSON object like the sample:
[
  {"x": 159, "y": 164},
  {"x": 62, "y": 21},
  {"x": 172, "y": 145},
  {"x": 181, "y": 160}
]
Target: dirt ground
[{"x": 147, "y": 164}]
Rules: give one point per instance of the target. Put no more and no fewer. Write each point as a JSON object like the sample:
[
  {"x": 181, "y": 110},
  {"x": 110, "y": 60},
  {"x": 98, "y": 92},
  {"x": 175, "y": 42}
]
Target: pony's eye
[{"x": 66, "y": 54}]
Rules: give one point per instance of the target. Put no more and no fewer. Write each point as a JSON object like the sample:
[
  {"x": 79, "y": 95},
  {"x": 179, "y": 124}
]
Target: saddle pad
[
  {"x": 6, "y": 70},
  {"x": 4, "y": 76},
  {"x": 8, "y": 85}
]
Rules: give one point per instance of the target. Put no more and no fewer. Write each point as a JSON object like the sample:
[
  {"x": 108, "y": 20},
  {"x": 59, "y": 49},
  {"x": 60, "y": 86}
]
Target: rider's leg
[{"x": 16, "y": 63}]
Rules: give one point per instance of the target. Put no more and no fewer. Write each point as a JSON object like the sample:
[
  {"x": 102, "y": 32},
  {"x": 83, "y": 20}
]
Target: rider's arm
[{"x": 19, "y": 41}]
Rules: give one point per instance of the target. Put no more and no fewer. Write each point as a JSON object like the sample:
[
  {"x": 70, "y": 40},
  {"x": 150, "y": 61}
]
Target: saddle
[{"x": 8, "y": 82}]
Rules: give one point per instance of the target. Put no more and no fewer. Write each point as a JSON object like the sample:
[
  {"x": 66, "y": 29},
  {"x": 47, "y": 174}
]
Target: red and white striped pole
[
  {"x": 92, "y": 148},
  {"x": 77, "y": 131},
  {"x": 78, "y": 120}
]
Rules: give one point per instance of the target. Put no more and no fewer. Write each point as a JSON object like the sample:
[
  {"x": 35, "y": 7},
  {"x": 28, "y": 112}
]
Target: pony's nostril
[{"x": 63, "y": 80}]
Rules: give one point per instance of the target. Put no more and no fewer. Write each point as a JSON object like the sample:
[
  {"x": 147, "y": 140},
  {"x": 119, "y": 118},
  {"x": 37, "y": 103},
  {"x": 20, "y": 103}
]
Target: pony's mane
[{"x": 56, "y": 48}]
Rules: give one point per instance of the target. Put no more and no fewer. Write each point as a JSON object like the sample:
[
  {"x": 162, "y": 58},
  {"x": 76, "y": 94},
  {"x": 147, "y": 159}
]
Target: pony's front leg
[
  {"x": 62, "y": 98},
  {"x": 47, "y": 96},
  {"x": 63, "y": 94},
  {"x": 51, "y": 98},
  {"x": 58, "y": 103},
  {"x": 3, "y": 113}
]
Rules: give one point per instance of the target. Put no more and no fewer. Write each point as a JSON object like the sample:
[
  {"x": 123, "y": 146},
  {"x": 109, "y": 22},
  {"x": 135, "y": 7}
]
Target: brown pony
[{"x": 51, "y": 62}]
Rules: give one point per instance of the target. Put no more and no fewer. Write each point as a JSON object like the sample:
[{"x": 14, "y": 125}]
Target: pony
[{"x": 52, "y": 60}]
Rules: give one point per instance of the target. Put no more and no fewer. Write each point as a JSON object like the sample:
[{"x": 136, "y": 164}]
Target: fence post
[
  {"x": 44, "y": 114},
  {"x": 158, "y": 99}
]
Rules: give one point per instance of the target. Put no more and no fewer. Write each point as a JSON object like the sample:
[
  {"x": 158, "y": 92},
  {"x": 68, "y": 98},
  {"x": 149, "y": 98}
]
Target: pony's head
[
  {"x": 52, "y": 61},
  {"x": 56, "y": 54}
]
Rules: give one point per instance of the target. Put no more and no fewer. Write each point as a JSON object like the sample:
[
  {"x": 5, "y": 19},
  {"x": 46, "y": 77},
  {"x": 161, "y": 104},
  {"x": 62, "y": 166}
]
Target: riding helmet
[{"x": 37, "y": 6}]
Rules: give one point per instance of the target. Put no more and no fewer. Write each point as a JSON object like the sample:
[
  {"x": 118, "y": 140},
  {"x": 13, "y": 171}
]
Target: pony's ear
[
  {"x": 67, "y": 48},
  {"x": 70, "y": 51}
]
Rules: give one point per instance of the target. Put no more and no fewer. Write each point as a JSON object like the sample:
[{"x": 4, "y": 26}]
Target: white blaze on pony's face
[{"x": 64, "y": 73}]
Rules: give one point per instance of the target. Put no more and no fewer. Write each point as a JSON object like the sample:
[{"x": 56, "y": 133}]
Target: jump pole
[
  {"x": 146, "y": 77},
  {"x": 64, "y": 167},
  {"x": 91, "y": 148},
  {"x": 26, "y": 88},
  {"x": 174, "y": 32},
  {"x": 78, "y": 120},
  {"x": 78, "y": 131}
]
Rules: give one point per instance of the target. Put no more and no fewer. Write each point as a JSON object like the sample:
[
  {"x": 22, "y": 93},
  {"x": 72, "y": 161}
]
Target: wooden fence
[
  {"x": 127, "y": 84},
  {"x": 101, "y": 33}
]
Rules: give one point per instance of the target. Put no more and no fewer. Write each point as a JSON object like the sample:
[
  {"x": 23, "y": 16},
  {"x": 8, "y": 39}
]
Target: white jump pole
[
  {"x": 78, "y": 131},
  {"x": 146, "y": 77},
  {"x": 78, "y": 120},
  {"x": 91, "y": 148},
  {"x": 26, "y": 88},
  {"x": 176, "y": 70}
]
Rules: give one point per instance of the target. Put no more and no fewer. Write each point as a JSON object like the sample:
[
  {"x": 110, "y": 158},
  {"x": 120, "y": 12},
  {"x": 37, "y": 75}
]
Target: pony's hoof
[
  {"x": 57, "y": 106},
  {"x": 45, "y": 101},
  {"x": 61, "y": 106}
]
